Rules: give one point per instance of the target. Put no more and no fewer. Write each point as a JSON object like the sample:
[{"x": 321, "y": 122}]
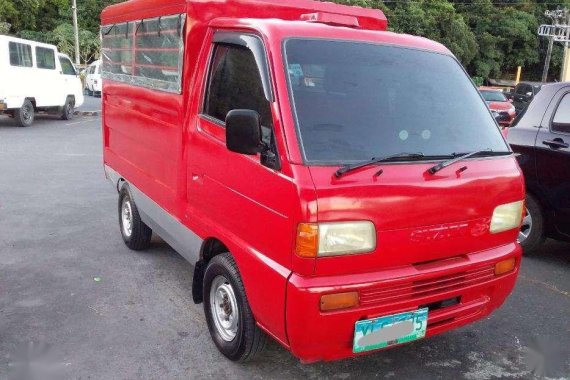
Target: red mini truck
[{"x": 337, "y": 187}]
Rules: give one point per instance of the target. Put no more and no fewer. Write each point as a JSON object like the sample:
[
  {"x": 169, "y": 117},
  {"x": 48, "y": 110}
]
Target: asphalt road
[{"x": 75, "y": 299}]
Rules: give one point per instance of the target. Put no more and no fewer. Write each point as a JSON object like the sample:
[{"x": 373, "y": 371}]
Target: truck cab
[{"x": 277, "y": 147}]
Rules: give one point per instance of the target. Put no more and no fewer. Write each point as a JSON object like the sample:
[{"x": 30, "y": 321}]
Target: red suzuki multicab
[{"x": 277, "y": 146}]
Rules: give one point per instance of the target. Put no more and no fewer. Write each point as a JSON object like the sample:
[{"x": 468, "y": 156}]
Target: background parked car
[
  {"x": 93, "y": 83},
  {"x": 35, "y": 77},
  {"x": 497, "y": 101},
  {"x": 541, "y": 135},
  {"x": 523, "y": 94}
]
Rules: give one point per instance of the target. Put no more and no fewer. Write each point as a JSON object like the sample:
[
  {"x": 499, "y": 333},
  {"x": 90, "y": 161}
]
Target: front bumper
[{"x": 469, "y": 281}]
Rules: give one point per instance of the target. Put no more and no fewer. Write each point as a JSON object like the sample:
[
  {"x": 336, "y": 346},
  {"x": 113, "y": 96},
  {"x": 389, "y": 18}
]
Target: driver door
[{"x": 248, "y": 202}]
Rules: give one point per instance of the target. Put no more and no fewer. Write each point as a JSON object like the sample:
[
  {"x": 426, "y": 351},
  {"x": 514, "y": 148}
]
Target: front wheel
[
  {"x": 68, "y": 109},
  {"x": 531, "y": 234},
  {"x": 230, "y": 320}
]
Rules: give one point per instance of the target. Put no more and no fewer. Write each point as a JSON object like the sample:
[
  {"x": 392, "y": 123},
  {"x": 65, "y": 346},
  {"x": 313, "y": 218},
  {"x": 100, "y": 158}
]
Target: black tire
[
  {"x": 249, "y": 339},
  {"x": 25, "y": 115},
  {"x": 140, "y": 234},
  {"x": 68, "y": 110},
  {"x": 536, "y": 232}
]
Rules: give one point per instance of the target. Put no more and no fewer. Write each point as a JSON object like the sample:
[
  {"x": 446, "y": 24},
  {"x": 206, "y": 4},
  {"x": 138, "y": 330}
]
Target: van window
[
  {"x": 117, "y": 51},
  {"x": 20, "y": 54},
  {"x": 235, "y": 83},
  {"x": 45, "y": 58},
  {"x": 147, "y": 53},
  {"x": 66, "y": 66},
  {"x": 353, "y": 101},
  {"x": 561, "y": 121}
]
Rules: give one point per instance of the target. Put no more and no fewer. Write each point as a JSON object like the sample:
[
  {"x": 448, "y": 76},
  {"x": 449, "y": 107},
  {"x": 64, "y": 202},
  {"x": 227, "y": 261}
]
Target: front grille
[{"x": 406, "y": 290}]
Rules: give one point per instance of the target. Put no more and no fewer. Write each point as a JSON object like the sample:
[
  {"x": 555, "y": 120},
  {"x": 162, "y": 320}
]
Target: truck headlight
[
  {"x": 507, "y": 217},
  {"x": 334, "y": 239}
]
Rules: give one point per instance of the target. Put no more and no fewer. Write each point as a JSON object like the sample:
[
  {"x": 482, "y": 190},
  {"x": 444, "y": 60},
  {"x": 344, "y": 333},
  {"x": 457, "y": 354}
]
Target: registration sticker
[{"x": 373, "y": 334}]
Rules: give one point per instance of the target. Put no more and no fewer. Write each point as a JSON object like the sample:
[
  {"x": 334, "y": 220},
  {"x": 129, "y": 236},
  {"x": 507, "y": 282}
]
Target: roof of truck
[
  {"x": 277, "y": 18},
  {"x": 286, "y": 10}
]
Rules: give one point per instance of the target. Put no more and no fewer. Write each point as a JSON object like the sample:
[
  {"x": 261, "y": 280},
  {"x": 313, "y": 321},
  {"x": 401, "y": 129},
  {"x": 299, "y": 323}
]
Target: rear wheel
[
  {"x": 230, "y": 320},
  {"x": 136, "y": 234},
  {"x": 531, "y": 234},
  {"x": 25, "y": 115}
]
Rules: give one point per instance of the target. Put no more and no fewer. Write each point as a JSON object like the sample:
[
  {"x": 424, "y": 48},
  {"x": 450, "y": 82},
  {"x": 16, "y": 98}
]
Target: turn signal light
[
  {"x": 505, "y": 266},
  {"x": 307, "y": 242},
  {"x": 330, "y": 302}
]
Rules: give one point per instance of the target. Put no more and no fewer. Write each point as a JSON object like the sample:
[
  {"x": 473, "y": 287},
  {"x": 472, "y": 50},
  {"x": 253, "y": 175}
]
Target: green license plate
[{"x": 373, "y": 334}]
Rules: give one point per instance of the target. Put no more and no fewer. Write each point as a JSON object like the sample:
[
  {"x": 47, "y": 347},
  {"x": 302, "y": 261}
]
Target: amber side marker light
[
  {"x": 338, "y": 301},
  {"x": 505, "y": 266},
  {"x": 307, "y": 242}
]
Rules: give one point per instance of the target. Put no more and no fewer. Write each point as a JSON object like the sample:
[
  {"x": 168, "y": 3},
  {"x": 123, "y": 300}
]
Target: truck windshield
[{"x": 353, "y": 101}]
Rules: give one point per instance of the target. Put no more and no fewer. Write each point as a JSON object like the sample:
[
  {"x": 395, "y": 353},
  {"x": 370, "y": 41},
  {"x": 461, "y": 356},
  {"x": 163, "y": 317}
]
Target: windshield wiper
[
  {"x": 457, "y": 157},
  {"x": 374, "y": 160}
]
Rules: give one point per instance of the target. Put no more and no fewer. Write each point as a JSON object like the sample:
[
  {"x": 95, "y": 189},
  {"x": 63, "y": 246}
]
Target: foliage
[
  {"x": 50, "y": 21},
  {"x": 490, "y": 37}
]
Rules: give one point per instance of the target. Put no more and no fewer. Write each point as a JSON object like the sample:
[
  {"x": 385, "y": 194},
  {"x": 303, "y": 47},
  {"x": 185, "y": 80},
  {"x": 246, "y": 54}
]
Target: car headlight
[
  {"x": 334, "y": 239},
  {"x": 507, "y": 217}
]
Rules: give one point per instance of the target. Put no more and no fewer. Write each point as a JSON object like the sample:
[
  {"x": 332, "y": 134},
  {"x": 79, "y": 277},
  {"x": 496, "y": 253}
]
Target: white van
[
  {"x": 35, "y": 77},
  {"x": 93, "y": 82}
]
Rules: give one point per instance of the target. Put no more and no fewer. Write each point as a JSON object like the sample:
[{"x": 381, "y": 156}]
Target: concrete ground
[{"x": 74, "y": 299}]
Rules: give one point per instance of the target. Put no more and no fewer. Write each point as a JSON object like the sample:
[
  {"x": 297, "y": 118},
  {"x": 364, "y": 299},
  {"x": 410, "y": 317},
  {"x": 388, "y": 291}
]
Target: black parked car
[
  {"x": 523, "y": 94},
  {"x": 541, "y": 135}
]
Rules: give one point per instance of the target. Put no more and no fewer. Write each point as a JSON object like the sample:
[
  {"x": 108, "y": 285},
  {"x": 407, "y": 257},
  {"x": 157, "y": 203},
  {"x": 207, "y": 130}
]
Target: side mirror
[{"x": 243, "y": 132}]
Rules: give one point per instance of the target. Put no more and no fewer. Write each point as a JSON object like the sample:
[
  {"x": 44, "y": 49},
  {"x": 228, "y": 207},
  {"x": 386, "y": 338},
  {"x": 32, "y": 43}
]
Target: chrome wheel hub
[
  {"x": 224, "y": 308},
  {"x": 526, "y": 227},
  {"x": 127, "y": 217}
]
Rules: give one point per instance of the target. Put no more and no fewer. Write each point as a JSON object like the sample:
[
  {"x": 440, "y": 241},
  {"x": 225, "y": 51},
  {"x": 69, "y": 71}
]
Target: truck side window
[
  {"x": 66, "y": 66},
  {"x": 20, "y": 54},
  {"x": 235, "y": 83},
  {"x": 561, "y": 121},
  {"x": 45, "y": 58}
]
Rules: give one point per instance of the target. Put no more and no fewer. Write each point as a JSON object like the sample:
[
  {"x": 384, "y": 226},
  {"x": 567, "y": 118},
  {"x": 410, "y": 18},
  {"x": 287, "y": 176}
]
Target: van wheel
[
  {"x": 25, "y": 115},
  {"x": 230, "y": 320},
  {"x": 68, "y": 109},
  {"x": 135, "y": 233},
  {"x": 531, "y": 234}
]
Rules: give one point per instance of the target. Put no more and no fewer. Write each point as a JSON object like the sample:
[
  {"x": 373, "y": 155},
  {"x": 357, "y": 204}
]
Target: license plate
[{"x": 373, "y": 334}]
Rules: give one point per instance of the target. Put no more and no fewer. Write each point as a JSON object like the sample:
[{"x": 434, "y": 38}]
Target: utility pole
[
  {"x": 76, "y": 32},
  {"x": 558, "y": 31},
  {"x": 548, "y": 57},
  {"x": 550, "y": 45}
]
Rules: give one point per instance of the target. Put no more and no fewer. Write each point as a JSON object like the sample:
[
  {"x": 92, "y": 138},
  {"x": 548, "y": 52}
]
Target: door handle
[{"x": 556, "y": 143}]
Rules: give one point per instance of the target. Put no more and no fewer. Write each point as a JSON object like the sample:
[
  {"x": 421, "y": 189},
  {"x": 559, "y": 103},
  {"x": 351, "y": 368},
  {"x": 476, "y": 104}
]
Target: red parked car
[
  {"x": 503, "y": 108},
  {"x": 272, "y": 145}
]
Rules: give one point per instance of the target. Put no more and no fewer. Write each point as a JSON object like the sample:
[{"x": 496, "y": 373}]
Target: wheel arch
[{"x": 211, "y": 247}]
